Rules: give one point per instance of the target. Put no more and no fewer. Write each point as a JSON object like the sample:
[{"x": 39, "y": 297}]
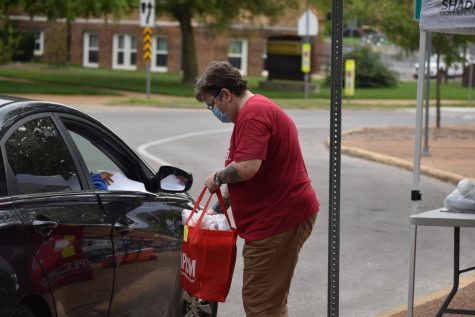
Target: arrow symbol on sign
[{"x": 150, "y": 7}]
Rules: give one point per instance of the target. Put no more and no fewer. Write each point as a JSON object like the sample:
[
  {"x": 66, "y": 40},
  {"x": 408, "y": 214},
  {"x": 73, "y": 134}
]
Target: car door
[
  {"x": 16, "y": 259},
  {"x": 67, "y": 229},
  {"x": 146, "y": 235}
]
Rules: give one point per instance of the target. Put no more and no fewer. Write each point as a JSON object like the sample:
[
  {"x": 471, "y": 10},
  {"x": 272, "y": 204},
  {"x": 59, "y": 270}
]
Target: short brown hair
[{"x": 219, "y": 75}]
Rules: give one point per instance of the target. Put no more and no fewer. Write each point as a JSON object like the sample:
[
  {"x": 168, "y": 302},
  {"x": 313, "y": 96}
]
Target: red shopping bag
[{"x": 208, "y": 257}]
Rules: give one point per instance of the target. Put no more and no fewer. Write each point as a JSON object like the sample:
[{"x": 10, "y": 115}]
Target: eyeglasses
[{"x": 210, "y": 106}]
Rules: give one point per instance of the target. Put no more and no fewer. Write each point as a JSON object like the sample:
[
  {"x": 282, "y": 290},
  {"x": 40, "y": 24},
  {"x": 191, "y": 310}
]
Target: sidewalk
[
  {"x": 452, "y": 152},
  {"x": 429, "y": 305},
  {"x": 451, "y": 149}
]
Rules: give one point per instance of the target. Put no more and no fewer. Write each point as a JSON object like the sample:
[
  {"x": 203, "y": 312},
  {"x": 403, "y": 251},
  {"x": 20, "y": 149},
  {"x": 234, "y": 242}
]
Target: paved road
[{"x": 374, "y": 206}]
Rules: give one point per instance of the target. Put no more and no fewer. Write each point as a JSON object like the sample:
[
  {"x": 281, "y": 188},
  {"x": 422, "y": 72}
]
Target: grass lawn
[
  {"x": 78, "y": 77},
  {"x": 36, "y": 78},
  {"x": 15, "y": 87}
]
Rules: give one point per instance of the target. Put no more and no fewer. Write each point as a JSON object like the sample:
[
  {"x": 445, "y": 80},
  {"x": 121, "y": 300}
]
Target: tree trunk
[
  {"x": 437, "y": 92},
  {"x": 188, "y": 51}
]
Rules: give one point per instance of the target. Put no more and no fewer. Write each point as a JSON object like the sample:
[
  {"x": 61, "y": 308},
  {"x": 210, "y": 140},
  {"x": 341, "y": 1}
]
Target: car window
[
  {"x": 94, "y": 158},
  {"x": 105, "y": 173},
  {"x": 39, "y": 159}
]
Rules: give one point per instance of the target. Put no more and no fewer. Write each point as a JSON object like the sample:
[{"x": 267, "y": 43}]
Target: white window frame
[
  {"x": 127, "y": 50},
  {"x": 41, "y": 40},
  {"x": 155, "y": 51},
  {"x": 87, "y": 48},
  {"x": 243, "y": 55}
]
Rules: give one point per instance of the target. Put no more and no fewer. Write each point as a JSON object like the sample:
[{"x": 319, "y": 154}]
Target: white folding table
[{"x": 441, "y": 218}]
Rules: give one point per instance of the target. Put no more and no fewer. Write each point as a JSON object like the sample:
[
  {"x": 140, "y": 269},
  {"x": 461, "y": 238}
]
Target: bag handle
[
  {"x": 221, "y": 202},
  {"x": 223, "y": 206},
  {"x": 197, "y": 203}
]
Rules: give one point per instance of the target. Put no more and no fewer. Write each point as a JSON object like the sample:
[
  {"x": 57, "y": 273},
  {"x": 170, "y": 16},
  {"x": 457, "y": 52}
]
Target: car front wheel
[{"x": 194, "y": 307}]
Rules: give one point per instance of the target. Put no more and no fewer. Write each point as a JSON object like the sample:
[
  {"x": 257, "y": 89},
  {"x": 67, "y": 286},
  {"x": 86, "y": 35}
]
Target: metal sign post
[
  {"x": 306, "y": 51},
  {"x": 147, "y": 21},
  {"x": 352, "y": 25},
  {"x": 307, "y": 26},
  {"x": 335, "y": 160},
  {"x": 147, "y": 54},
  {"x": 425, "y": 148},
  {"x": 470, "y": 75},
  {"x": 470, "y": 83}
]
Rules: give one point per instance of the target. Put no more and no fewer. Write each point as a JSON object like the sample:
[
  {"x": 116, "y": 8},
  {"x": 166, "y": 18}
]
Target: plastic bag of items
[
  {"x": 462, "y": 198},
  {"x": 211, "y": 222}
]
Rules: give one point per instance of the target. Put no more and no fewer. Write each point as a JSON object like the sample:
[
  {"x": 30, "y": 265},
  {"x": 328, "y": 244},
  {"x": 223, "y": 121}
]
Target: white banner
[{"x": 448, "y": 16}]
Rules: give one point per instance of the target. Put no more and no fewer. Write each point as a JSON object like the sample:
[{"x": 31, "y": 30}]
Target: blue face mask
[{"x": 222, "y": 116}]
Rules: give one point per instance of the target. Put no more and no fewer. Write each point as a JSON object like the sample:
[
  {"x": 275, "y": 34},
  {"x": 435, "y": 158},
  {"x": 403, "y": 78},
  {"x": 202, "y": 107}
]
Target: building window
[
  {"x": 160, "y": 54},
  {"x": 91, "y": 50},
  {"x": 124, "y": 52},
  {"x": 39, "y": 43},
  {"x": 237, "y": 54}
]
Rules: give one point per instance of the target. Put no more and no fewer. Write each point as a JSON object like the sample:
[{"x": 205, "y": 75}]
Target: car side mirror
[{"x": 173, "y": 179}]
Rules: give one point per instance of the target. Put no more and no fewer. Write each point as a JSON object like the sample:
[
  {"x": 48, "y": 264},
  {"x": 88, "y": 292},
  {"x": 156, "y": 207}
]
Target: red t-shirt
[{"x": 279, "y": 196}]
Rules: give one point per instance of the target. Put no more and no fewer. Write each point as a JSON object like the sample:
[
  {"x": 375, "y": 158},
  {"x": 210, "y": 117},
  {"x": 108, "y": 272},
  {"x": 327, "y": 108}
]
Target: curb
[
  {"x": 442, "y": 293},
  {"x": 433, "y": 172}
]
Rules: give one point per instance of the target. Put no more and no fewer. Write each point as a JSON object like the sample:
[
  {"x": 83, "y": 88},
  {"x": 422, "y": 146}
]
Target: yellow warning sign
[
  {"x": 147, "y": 44},
  {"x": 306, "y": 50},
  {"x": 349, "y": 77}
]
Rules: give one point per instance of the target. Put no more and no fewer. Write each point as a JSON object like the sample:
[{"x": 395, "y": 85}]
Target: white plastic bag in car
[{"x": 462, "y": 198}]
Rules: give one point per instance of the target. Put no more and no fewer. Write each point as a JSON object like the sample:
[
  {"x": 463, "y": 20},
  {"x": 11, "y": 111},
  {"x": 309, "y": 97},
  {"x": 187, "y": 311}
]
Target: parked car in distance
[
  {"x": 454, "y": 70},
  {"x": 68, "y": 248}
]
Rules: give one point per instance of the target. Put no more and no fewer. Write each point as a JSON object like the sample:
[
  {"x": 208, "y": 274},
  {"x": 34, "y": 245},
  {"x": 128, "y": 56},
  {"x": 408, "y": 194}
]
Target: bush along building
[{"x": 97, "y": 43}]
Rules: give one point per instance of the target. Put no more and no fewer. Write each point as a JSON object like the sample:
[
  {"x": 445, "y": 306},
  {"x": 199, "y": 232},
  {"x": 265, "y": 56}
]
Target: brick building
[{"x": 97, "y": 43}]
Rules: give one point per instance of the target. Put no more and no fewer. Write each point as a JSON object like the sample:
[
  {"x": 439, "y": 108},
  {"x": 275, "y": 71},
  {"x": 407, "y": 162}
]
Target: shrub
[
  {"x": 369, "y": 69},
  {"x": 9, "y": 43}
]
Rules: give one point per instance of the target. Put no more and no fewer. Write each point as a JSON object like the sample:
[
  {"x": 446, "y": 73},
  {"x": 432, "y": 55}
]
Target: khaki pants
[{"x": 268, "y": 269}]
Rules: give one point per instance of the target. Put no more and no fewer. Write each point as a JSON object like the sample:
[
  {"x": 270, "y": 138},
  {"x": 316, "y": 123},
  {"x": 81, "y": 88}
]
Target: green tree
[
  {"x": 9, "y": 42},
  {"x": 395, "y": 20},
  {"x": 217, "y": 14}
]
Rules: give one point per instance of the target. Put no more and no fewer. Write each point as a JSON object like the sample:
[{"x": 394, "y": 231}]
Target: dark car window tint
[{"x": 39, "y": 159}]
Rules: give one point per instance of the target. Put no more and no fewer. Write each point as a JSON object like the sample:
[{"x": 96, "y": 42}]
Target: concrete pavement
[
  {"x": 366, "y": 148},
  {"x": 455, "y": 149}
]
